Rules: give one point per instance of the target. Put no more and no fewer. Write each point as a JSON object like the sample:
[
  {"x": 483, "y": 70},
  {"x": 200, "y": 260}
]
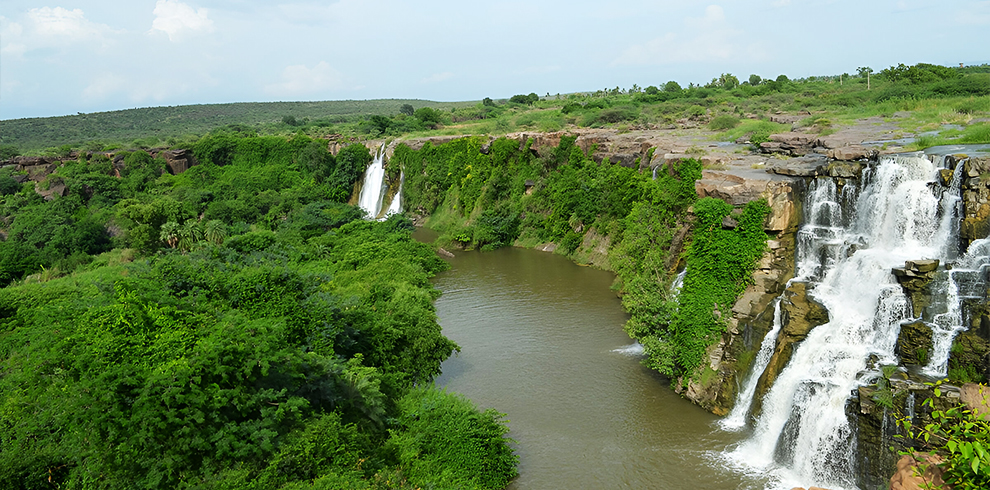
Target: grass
[
  {"x": 757, "y": 130},
  {"x": 973, "y": 134}
]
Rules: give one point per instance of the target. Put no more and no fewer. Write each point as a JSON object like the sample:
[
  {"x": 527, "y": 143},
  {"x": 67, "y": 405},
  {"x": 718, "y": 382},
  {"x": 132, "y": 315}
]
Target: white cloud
[
  {"x": 67, "y": 25},
  {"x": 707, "y": 38},
  {"x": 437, "y": 77},
  {"x": 299, "y": 80},
  {"x": 48, "y": 27},
  {"x": 177, "y": 19}
]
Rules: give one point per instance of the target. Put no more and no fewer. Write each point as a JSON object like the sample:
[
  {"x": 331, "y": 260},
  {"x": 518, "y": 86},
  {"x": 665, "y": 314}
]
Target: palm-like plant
[
  {"x": 216, "y": 231},
  {"x": 170, "y": 234},
  {"x": 190, "y": 234}
]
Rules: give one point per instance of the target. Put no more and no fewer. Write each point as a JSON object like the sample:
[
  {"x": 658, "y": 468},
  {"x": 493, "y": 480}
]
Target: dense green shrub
[
  {"x": 723, "y": 122},
  {"x": 444, "y": 442}
]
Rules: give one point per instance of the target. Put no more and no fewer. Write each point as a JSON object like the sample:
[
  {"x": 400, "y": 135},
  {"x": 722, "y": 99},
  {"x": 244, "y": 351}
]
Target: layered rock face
[{"x": 976, "y": 196}]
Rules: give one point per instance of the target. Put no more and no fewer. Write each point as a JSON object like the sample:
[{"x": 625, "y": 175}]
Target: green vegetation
[
  {"x": 234, "y": 326},
  {"x": 961, "y": 436}
]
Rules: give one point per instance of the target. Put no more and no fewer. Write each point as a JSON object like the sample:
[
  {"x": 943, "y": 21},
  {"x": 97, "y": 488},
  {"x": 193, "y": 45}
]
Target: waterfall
[
  {"x": 851, "y": 239},
  {"x": 965, "y": 280},
  {"x": 396, "y": 206},
  {"x": 374, "y": 189},
  {"x": 677, "y": 284},
  {"x": 737, "y": 417}
]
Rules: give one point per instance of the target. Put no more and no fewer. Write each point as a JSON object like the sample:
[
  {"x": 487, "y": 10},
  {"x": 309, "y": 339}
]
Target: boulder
[
  {"x": 846, "y": 170},
  {"x": 37, "y": 173},
  {"x": 918, "y": 472},
  {"x": 790, "y": 143},
  {"x": 178, "y": 161},
  {"x": 55, "y": 190},
  {"x": 849, "y": 153},
  {"x": 976, "y": 398},
  {"x": 806, "y": 166}
]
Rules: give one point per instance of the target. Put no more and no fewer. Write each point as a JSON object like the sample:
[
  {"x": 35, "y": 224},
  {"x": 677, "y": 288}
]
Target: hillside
[{"x": 150, "y": 125}]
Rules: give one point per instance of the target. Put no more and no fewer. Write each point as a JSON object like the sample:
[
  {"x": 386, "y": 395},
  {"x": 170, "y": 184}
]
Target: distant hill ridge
[{"x": 161, "y": 123}]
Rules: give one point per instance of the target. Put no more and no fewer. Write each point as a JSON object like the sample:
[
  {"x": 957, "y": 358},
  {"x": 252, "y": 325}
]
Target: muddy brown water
[{"x": 542, "y": 341}]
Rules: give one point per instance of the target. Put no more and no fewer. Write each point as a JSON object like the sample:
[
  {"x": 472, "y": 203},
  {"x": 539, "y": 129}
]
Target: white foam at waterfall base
[
  {"x": 634, "y": 349},
  {"x": 802, "y": 436}
]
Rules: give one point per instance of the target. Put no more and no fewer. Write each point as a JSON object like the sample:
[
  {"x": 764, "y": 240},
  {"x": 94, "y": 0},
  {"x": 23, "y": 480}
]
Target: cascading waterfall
[
  {"x": 374, "y": 189},
  {"x": 851, "y": 239}
]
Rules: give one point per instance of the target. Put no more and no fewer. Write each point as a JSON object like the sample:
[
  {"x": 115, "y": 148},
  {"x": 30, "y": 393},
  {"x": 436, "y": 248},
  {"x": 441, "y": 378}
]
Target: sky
[{"x": 60, "y": 57}]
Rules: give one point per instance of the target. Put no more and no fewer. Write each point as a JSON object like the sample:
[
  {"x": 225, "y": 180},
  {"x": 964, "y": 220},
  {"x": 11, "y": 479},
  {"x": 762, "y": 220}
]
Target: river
[{"x": 542, "y": 341}]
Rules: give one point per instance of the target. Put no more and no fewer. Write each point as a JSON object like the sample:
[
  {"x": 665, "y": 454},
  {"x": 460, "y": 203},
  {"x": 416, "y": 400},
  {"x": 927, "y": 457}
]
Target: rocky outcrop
[
  {"x": 806, "y": 166},
  {"x": 918, "y": 472},
  {"x": 797, "y": 144},
  {"x": 792, "y": 143},
  {"x": 914, "y": 344},
  {"x": 177, "y": 161},
  {"x": 914, "y": 278},
  {"x": 976, "y": 198}
]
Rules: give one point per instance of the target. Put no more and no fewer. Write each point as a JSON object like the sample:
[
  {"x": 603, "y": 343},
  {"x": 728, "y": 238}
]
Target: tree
[
  {"x": 290, "y": 120},
  {"x": 428, "y": 116},
  {"x": 755, "y": 79},
  {"x": 488, "y": 102},
  {"x": 8, "y": 185},
  {"x": 727, "y": 81},
  {"x": 406, "y": 109},
  {"x": 672, "y": 87},
  {"x": 380, "y": 123},
  {"x": 652, "y": 90},
  {"x": 8, "y": 151},
  {"x": 190, "y": 233}
]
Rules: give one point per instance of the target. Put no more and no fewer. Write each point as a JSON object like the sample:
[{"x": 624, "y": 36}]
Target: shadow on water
[{"x": 542, "y": 341}]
